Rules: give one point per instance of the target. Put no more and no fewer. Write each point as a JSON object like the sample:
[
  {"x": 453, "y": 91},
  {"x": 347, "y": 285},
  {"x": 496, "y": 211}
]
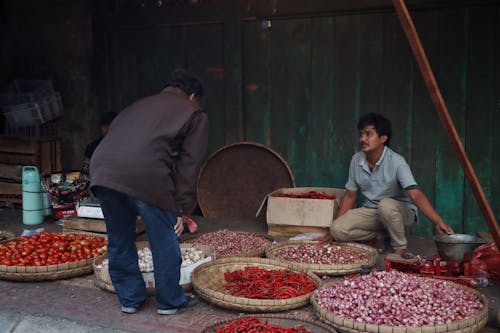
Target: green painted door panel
[{"x": 305, "y": 80}]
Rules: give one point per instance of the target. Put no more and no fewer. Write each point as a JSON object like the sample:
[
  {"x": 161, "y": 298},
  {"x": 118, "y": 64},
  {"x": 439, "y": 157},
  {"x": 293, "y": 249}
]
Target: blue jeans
[{"x": 120, "y": 214}]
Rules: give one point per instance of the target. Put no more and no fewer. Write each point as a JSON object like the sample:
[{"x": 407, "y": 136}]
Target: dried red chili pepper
[
  {"x": 253, "y": 324},
  {"x": 306, "y": 195},
  {"x": 259, "y": 283}
]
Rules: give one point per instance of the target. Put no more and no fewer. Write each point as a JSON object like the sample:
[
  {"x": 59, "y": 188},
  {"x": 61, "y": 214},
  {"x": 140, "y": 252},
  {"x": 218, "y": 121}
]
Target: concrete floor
[{"x": 79, "y": 301}]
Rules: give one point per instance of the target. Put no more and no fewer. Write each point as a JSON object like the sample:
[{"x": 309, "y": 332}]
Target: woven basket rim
[
  {"x": 257, "y": 253},
  {"x": 243, "y": 303},
  {"x": 328, "y": 269},
  {"x": 46, "y": 272},
  {"x": 211, "y": 328},
  {"x": 455, "y": 326},
  {"x": 140, "y": 245}
]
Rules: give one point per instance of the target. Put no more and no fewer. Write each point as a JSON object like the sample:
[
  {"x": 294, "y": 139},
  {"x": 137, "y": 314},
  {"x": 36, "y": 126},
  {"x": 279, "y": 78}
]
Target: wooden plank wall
[{"x": 299, "y": 83}]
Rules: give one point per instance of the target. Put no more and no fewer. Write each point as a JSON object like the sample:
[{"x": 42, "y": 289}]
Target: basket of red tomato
[{"x": 49, "y": 256}]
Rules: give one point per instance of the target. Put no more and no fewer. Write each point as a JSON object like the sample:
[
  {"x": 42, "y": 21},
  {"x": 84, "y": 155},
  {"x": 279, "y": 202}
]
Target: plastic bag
[{"x": 486, "y": 262}]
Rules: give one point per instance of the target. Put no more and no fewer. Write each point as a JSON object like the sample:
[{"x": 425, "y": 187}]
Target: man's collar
[{"x": 363, "y": 161}]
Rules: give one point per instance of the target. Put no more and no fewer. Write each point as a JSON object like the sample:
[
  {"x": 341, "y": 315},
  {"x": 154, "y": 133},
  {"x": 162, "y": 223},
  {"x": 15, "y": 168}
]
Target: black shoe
[{"x": 192, "y": 301}]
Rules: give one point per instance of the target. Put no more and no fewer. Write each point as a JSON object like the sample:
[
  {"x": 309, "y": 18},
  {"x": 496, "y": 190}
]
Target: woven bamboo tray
[
  {"x": 325, "y": 269},
  {"x": 48, "y": 272},
  {"x": 103, "y": 280},
  {"x": 258, "y": 253},
  {"x": 277, "y": 319},
  {"x": 471, "y": 324},
  {"x": 209, "y": 282}
]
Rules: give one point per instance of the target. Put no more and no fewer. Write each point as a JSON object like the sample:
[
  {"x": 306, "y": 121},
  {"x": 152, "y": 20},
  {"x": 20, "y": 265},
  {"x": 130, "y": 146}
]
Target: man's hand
[
  {"x": 179, "y": 228},
  {"x": 443, "y": 228}
]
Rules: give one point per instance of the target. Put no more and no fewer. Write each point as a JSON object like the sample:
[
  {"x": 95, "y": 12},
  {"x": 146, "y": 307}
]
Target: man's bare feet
[{"x": 404, "y": 253}]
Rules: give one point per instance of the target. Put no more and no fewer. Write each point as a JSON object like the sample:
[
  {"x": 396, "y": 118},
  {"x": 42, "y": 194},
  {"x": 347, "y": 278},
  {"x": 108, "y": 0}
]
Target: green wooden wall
[{"x": 299, "y": 81}]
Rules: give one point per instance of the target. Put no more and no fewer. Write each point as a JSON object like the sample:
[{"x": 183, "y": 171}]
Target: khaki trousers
[{"x": 359, "y": 224}]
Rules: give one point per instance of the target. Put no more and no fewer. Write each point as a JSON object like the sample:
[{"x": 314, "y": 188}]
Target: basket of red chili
[
  {"x": 270, "y": 323},
  {"x": 253, "y": 284},
  {"x": 324, "y": 258}
]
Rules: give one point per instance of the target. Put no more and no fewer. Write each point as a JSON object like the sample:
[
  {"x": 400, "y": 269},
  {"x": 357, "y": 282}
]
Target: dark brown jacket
[{"x": 153, "y": 151}]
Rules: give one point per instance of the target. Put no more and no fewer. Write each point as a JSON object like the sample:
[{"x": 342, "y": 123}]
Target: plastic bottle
[{"x": 32, "y": 196}]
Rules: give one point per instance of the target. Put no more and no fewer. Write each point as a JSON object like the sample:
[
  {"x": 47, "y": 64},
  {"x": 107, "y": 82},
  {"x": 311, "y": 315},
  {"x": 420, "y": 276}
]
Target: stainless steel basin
[{"x": 454, "y": 247}]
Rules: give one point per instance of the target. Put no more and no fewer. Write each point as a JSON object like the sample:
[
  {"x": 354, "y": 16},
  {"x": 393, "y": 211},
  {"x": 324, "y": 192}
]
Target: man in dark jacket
[{"x": 147, "y": 165}]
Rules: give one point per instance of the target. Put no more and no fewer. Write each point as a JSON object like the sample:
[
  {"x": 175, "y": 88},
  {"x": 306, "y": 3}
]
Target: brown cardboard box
[{"x": 302, "y": 212}]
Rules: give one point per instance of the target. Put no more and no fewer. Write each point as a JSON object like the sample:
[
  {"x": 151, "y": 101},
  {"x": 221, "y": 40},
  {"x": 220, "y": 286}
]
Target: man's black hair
[
  {"x": 185, "y": 81},
  {"x": 382, "y": 125},
  {"x": 107, "y": 118}
]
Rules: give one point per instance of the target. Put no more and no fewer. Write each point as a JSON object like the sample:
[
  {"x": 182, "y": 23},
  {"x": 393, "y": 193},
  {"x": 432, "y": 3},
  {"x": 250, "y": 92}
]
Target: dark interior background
[{"x": 293, "y": 75}]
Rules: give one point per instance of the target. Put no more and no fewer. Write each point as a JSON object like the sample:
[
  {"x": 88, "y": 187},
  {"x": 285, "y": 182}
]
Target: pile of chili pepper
[
  {"x": 306, "y": 195},
  {"x": 259, "y": 283},
  {"x": 253, "y": 324}
]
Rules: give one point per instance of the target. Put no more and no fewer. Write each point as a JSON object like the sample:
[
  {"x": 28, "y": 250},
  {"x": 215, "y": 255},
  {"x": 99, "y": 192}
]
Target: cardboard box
[{"x": 285, "y": 211}]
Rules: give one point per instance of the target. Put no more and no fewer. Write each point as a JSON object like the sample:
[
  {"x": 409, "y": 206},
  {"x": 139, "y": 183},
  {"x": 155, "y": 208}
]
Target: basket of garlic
[{"x": 193, "y": 255}]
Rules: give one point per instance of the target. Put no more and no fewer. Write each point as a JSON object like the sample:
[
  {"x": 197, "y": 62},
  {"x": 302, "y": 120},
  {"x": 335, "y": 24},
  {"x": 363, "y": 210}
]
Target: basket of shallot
[
  {"x": 229, "y": 243},
  {"x": 324, "y": 258},
  {"x": 253, "y": 284},
  {"x": 398, "y": 302},
  {"x": 193, "y": 255}
]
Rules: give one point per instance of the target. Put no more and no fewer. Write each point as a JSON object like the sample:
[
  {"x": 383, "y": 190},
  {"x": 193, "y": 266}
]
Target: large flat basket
[
  {"x": 470, "y": 324},
  {"x": 209, "y": 282},
  {"x": 288, "y": 321},
  {"x": 325, "y": 269}
]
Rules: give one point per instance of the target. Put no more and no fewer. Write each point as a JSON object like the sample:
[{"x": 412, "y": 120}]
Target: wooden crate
[
  {"x": 95, "y": 226},
  {"x": 44, "y": 154}
]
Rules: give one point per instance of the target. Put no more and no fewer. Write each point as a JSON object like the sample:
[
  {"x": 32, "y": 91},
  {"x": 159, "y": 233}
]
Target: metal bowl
[{"x": 454, "y": 247}]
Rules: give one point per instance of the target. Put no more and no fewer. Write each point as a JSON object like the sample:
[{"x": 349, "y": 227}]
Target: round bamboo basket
[
  {"x": 325, "y": 269},
  {"x": 209, "y": 282},
  {"x": 48, "y": 272},
  {"x": 471, "y": 324},
  {"x": 103, "y": 280},
  {"x": 276, "y": 319},
  {"x": 258, "y": 253}
]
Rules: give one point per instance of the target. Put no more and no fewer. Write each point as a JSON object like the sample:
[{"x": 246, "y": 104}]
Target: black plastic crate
[
  {"x": 25, "y": 91},
  {"x": 34, "y": 113}
]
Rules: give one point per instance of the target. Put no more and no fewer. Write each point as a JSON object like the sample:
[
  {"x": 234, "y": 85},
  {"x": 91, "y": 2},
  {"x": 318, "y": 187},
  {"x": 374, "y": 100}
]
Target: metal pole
[{"x": 444, "y": 116}]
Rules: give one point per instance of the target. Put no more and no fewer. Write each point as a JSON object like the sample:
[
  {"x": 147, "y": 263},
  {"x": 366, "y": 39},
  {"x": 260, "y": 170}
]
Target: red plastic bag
[{"x": 486, "y": 262}]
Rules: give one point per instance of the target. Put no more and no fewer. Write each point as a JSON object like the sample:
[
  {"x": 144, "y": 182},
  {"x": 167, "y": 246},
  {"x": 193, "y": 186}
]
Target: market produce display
[
  {"x": 398, "y": 299},
  {"x": 227, "y": 242},
  {"x": 261, "y": 283},
  {"x": 254, "y": 324},
  {"x": 253, "y": 284},
  {"x": 306, "y": 195},
  {"x": 320, "y": 253},
  {"x": 48, "y": 248},
  {"x": 324, "y": 258},
  {"x": 190, "y": 255}
]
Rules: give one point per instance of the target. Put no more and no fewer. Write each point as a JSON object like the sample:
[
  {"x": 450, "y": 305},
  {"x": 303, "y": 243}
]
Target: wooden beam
[{"x": 444, "y": 116}]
